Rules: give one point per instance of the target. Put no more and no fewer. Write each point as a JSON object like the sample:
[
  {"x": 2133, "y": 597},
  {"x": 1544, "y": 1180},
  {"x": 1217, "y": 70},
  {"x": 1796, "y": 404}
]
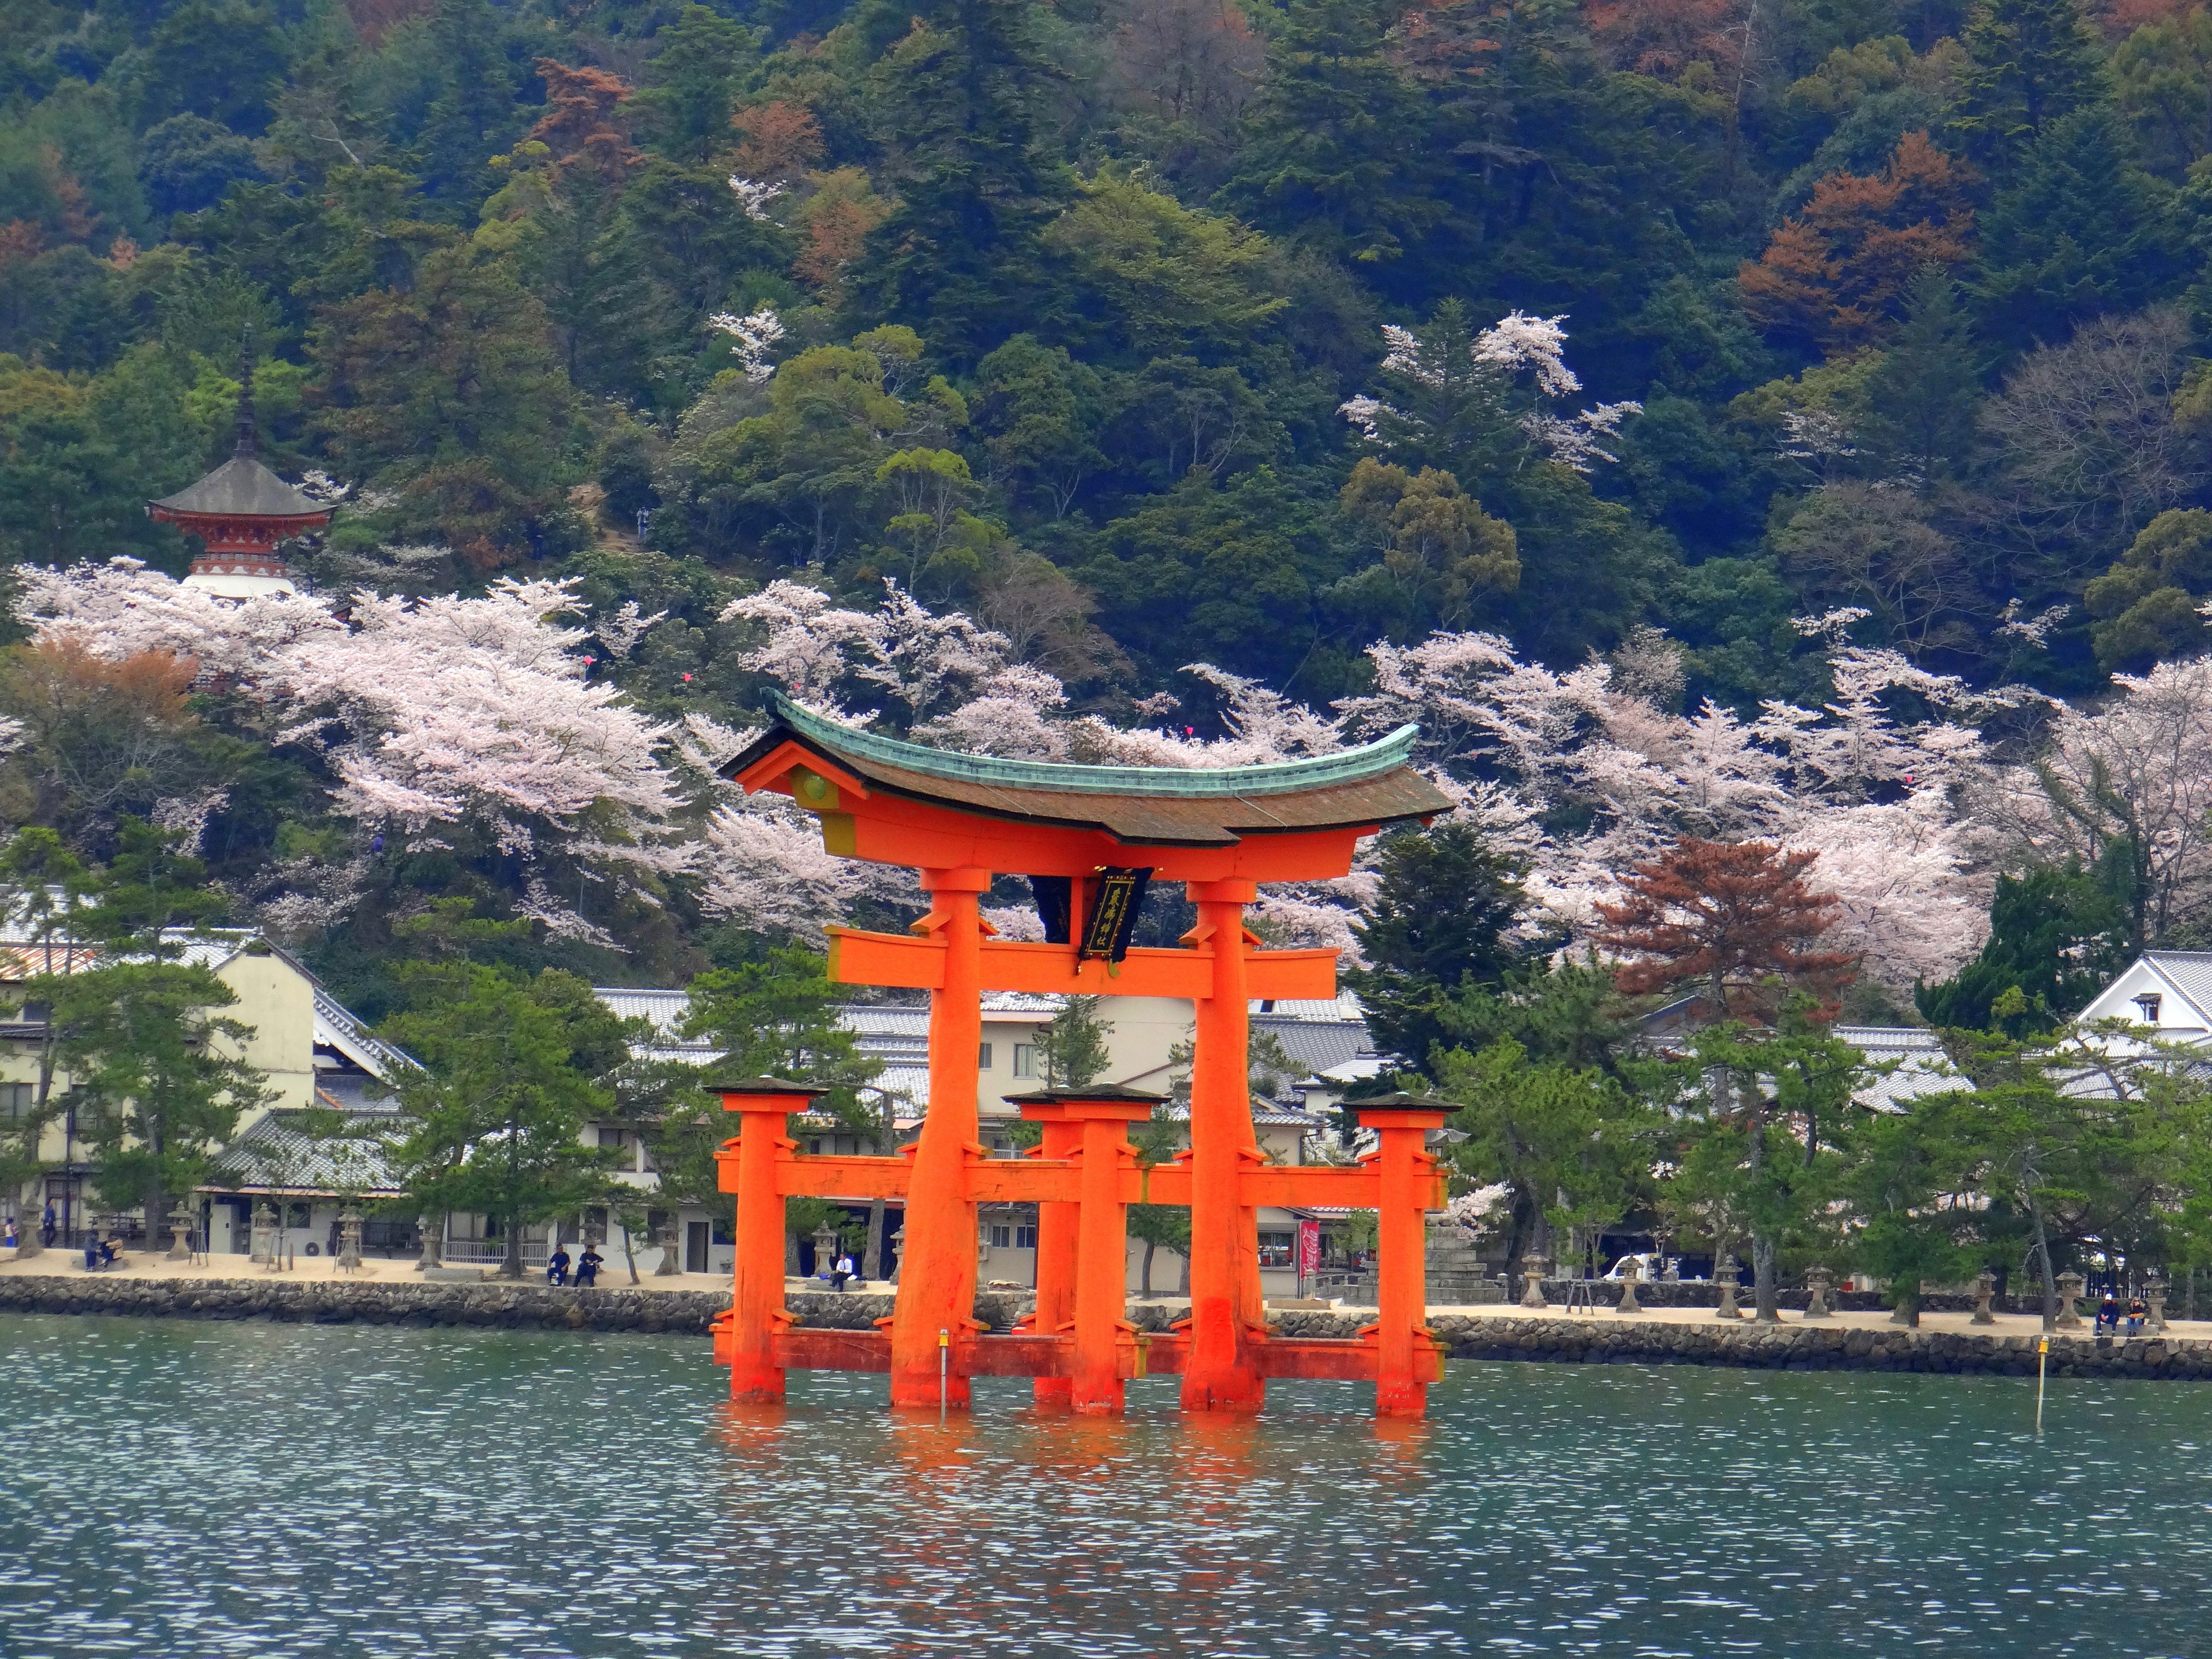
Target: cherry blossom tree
[
  {"x": 2134, "y": 778},
  {"x": 435, "y": 715}
]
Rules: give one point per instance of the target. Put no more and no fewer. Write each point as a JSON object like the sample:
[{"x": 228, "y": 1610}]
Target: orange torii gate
[{"x": 1088, "y": 838}]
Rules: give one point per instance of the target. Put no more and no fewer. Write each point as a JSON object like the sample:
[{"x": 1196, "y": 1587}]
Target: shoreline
[{"x": 1944, "y": 1342}]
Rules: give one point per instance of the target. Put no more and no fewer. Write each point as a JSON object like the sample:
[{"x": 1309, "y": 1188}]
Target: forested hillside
[{"x": 1281, "y": 338}]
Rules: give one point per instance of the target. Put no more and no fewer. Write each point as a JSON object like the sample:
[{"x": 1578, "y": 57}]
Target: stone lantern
[
  {"x": 898, "y": 1252},
  {"x": 2070, "y": 1287},
  {"x": 433, "y": 1229},
  {"x": 1818, "y": 1280},
  {"x": 825, "y": 1249},
  {"x": 264, "y": 1235},
  {"x": 349, "y": 1222},
  {"x": 1532, "y": 1281},
  {"x": 1724, "y": 1276},
  {"x": 180, "y": 1233},
  {"x": 2154, "y": 1293},
  {"x": 1986, "y": 1293},
  {"x": 672, "y": 1249},
  {"x": 1630, "y": 1271}
]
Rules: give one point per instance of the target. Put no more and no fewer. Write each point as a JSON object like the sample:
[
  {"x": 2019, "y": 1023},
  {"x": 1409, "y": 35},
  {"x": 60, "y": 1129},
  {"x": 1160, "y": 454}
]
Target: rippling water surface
[{"x": 169, "y": 1488}]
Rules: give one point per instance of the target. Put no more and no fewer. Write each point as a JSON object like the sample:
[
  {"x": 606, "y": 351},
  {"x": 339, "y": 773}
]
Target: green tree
[
  {"x": 2081, "y": 230},
  {"x": 2146, "y": 605},
  {"x": 513, "y": 1068},
  {"x": 1922, "y": 398},
  {"x": 1042, "y": 412},
  {"x": 1570, "y": 1146},
  {"x": 1761, "y": 1114},
  {"x": 1072, "y": 1044},
  {"x": 1903, "y": 1177},
  {"x": 688, "y": 90},
  {"x": 453, "y": 391},
  {"x": 2057, "y": 935},
  {"x": 1329, "y": 146},
  {"x": 955, "y": 102},
  {"x": 778, "y": 1017},
  {"x": 2029, "y": 62},
  {"x": 1444, "y": 909}
]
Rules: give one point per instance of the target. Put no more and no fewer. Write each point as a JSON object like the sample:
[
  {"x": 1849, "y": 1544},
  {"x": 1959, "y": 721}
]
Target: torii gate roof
[{"x": 1144, "y": 806}]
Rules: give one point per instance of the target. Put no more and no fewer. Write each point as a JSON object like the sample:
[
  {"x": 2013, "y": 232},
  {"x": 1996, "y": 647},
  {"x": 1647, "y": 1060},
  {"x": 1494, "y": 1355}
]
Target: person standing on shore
[
  {"x": 8, "y": 1239},
  {"x": 46, "y": 1229}
]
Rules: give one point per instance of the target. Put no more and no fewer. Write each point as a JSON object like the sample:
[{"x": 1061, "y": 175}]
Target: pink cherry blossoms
[{"x": 434, "y": 714}]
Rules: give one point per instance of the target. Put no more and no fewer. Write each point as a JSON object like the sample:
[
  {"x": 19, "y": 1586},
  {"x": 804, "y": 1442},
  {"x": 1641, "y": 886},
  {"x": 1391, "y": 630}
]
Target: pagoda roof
[
  {"x": 1190, "y": 806},
  {"x": 241, "y": 488}
]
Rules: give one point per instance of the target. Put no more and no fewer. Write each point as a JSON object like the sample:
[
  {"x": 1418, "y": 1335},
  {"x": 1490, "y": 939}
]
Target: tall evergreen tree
[
  {"x": 1331, "y": 144},
  {"x": 957, "y": 103},
  {"x": 1440, "y": 922},
  {"x": 2081, "y": 230},
  {"x": 1922, "y": 399},
  {"x": 2029, "y": 64}
]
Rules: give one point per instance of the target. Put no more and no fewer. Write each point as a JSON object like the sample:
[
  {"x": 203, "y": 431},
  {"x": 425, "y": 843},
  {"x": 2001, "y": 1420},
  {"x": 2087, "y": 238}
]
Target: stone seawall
[
  {"x": 1583, "y": 1339},
  {"x": 506, "y": 1305}
]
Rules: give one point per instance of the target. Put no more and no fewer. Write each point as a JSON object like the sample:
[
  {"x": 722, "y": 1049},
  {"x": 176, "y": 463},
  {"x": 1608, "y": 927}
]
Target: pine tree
[
  {"x": 2028, "y": 62},
  {"x": 1727, "y": 918},
  {"x": 2081, "y": 231},
  {"x": 688, "y": 89},
  {"x": 1922, "y": 399},
  {"x": 1331, "y": 144},
  {"x": 2057, "y": 937},
  {"x": 1440, "y": 922},
  {"x": 957, "y": 102}
]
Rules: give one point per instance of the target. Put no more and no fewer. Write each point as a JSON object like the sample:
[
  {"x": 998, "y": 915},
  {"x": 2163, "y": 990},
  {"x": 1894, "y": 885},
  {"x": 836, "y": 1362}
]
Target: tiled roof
[
  {"x": 242, "y": 488},
  {"x": 1921, "y": 1066},
  {"x": 2189, "y": 972},
  {"x": 275, "y": 1156}
]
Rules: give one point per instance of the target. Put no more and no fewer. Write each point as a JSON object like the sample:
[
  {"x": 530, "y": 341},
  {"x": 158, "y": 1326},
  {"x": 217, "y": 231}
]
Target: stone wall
[
  {"x": 490, "y": 1302},
  {"x": 1604, "y": 1339}
]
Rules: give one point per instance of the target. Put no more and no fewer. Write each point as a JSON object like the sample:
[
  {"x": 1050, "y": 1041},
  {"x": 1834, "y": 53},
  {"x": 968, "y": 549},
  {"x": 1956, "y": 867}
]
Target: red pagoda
[{"x": 242, "y": 512}]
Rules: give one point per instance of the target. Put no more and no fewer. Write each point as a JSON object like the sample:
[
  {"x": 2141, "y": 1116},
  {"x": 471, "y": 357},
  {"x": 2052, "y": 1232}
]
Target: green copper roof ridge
[{"x": 1370, "y": 760}]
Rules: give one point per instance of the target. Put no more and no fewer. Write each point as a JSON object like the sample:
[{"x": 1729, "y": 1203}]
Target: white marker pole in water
[
  {"x": 944, "y": 1354},
  {"x": 2042, "y": 1357}
]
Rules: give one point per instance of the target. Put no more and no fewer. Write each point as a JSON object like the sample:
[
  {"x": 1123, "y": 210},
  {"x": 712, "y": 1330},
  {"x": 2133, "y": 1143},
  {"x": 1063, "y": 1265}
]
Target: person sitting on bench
[{"x": 588, "y": 1265}]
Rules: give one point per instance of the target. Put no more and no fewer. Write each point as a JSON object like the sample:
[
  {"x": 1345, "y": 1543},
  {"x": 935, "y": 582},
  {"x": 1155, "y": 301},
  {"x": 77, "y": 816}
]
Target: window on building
[
  {"x": 1001, "y": 1237},
  {"x": 1025, "y": 1238},
  {"x": 613, "y": 1137},
  {"x": 1026, "y": 1059},
  {"x": 2148, "y": 1003},
  {"x": 984, "y": 1064},
  {"x": 1275, "y": 1248},
  {"x": 16, "y": 1101}
]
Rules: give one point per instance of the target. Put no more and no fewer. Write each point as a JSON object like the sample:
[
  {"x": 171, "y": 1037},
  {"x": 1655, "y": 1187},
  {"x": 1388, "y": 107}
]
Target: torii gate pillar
[
  {"x": 1225, "y": 1304},
  {"x": 937, "y": 1276}
]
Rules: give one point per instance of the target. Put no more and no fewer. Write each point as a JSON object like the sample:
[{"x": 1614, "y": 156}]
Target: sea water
[{"x": 179, "y": 1489}]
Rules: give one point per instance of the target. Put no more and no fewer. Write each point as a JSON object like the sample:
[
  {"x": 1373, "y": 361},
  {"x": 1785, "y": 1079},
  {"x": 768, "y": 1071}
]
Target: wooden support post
[
  {"x": 1056, "y": 1249},
  {"x": 937, "y": 1280},
  {"x": 1406, "y": 1174},
  {"x": 1102, "y": 1290},
  {"x": 1225, "y": 1310},
  {"x": 756, "y": 1312}
]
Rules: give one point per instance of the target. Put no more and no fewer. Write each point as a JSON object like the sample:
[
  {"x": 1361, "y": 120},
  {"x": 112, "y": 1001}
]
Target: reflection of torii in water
[{"x": 1088, "y": 838}]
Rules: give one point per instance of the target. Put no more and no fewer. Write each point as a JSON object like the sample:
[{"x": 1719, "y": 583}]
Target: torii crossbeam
[{"x": 1090, "y": 838}]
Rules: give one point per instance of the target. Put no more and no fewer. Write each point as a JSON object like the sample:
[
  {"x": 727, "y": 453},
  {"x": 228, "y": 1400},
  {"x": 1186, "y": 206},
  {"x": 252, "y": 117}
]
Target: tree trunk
[
  {"x": 1765, "y": 1289},
  {"x": 790, "y": 1255},
  {"x": 629, "y": 1250},
  {"x": 1151, "y": 1245},
  {"x": 1183, "y": 1288},
  {"x": 872, "y": 1256},
  {"x": 2043, "y": 1260}
]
